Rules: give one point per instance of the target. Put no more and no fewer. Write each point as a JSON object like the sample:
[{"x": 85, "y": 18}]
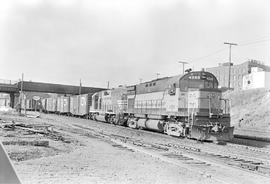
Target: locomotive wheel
[
  {"x": 131, "y": 123},
  {"x": 120, "y": 120},
  {"x": 111, "y": 120},
  {"x": 173, "y": 129}
]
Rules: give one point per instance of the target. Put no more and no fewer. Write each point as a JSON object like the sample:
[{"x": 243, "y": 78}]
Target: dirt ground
[
  {"x": 76, "y": 155},
  {"x": 77, "y": 158},
  {"x": 250, "y": 110}
]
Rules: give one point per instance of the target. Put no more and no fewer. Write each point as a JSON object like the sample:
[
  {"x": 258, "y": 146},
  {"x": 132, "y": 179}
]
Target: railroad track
[
  {"x": 258, "y": 166},
  {"x": 188, "y": 154},
  {"x": 244, "y": 147},
  {"x": 189, "y": 150},
  {"x": 255, "y": 157}
]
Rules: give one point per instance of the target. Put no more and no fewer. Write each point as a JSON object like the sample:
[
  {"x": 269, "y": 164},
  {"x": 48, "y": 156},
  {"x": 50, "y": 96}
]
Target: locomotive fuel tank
[
  {"x": 152, "y": 124},
  {"x": 99, "y": 117}
]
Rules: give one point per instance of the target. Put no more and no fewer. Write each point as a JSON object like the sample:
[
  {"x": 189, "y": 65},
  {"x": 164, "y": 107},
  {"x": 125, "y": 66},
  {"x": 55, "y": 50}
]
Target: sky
[{"x": 63, "y": 41}]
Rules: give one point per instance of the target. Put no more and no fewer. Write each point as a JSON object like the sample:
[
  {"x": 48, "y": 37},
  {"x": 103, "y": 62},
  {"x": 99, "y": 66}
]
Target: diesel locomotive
[{"x": 189, "y": 105}]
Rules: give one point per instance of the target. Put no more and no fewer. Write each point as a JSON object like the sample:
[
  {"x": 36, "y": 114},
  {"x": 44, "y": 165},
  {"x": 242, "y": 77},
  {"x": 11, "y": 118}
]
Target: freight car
[
  {"x": 31, "y": 105},
  {"x": 62, "y": 105},
  {"x": 80, "y": 105},
  {"x": 44, "y": 104},
  {"x": 51, "y": 104},
  {"x": 58, "y": 104},
  {"x": 189, "y": 105}
]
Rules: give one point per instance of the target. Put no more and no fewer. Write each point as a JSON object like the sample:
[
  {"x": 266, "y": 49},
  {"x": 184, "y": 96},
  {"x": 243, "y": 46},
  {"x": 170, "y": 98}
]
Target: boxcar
[
  {"x": 44, "y": 104},
  {"x": 64, "y": 105},
  {"x": 85, "y": 102},
  {"x": 80, "y": 105},
  {"x": 58, "y": 106},
  {"x": 73, "y": 105},
  {"x": 51, "y": 104}
]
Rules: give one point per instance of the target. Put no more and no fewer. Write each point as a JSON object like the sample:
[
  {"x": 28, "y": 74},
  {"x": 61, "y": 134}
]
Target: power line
[
  {"x": 255, "y": 42},
  {"x": 208, "y": 55},
  {"x": 244, "y": 44},
  {"x": 255, "y": 39}
]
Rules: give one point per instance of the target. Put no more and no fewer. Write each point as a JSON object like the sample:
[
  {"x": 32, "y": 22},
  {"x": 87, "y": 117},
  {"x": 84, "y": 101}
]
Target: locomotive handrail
[
  {"x": 210, "y": 109},
  {"x": 225, "y": 101}
]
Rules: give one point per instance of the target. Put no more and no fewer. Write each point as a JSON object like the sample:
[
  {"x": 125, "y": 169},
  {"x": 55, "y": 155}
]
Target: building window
[
  {"x": 248, "y": 82},
  {"x": 146, "y": 85},
  {"x": 154, "y": 84}
]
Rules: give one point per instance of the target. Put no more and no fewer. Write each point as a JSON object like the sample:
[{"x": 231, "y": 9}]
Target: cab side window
[{"x": 172, "y": 89}]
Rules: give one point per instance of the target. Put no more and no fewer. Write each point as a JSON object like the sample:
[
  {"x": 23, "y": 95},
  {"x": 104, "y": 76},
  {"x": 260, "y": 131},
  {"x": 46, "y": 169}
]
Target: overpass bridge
[
  {"x": 55, "y": 88},
  {"x": 13, "y": 88}
]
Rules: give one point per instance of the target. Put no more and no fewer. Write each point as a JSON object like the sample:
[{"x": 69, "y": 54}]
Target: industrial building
[
  {"x": 256, "y": 79},
  {"x": 237, "y": 73}
]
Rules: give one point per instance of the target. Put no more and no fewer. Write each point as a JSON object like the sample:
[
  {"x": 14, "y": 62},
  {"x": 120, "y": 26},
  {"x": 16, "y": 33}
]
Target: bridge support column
[{"x": 12, "y": 100}]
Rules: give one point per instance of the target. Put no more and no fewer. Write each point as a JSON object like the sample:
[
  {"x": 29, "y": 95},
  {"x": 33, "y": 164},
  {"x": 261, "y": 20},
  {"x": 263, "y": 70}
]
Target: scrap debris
[
  {"x": 25, "y": 143},
  {"x": 45, "y": 130},
  {"x": 32, "y": 114}
]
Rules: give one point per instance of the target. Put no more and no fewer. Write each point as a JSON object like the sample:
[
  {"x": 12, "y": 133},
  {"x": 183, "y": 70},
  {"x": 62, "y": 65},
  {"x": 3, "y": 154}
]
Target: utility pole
[
  {"x": 80, "y": 89},
  {"x": 108, "y": 85},
  {"x": 183, "y": 65},
  {"x": 22, "y": 84},
  {"x": 21, "y": 97},
  {"x": 157, "y": 75},
  {"x": 230, "y": 59}
]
